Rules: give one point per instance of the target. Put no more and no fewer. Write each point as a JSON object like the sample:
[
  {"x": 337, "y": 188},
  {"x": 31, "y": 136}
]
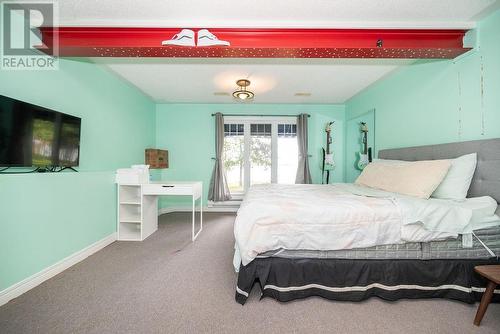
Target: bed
[{"x": 425, "y": 269}]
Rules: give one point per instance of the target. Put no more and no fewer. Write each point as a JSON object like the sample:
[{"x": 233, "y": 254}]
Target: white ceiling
[
  {"x": 275, "y": 13},
  {"x": 273, "y": 80}
]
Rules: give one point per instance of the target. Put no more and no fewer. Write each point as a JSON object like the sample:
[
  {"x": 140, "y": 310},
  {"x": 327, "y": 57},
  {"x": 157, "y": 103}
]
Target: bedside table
[{"x": 492, "y": 274}]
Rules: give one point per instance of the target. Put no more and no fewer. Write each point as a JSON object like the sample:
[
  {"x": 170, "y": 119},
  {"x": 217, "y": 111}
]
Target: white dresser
[{"x": 138, "y": 207}]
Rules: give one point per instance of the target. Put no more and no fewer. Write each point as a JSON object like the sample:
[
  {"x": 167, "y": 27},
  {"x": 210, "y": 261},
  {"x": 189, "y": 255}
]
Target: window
[
  {"x": 261, "y": 159},
  {"x": 233, "y": 156},
  {"x": 288, "y": 153},
  {"x": 259, "y": 151}
]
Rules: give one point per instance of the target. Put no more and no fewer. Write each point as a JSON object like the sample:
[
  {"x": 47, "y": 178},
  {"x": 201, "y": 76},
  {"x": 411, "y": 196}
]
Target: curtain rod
[{"x": 261, "y": 115}]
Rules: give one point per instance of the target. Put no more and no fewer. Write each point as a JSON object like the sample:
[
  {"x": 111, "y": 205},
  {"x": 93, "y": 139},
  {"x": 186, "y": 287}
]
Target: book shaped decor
[{"x": 156, "y": 158}]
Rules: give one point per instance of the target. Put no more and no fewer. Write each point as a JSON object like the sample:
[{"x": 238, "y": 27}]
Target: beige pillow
[{"x": 417, "y": 178}]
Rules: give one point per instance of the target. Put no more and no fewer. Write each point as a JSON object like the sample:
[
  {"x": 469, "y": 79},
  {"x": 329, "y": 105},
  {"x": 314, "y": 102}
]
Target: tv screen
[{"x": 33, "y": 136}]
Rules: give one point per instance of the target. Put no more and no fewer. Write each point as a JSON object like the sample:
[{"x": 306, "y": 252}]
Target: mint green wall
[
  {"x": 46, "y": 217},
  {"x": 187, "y": 132},
  {"x": 421, "y": 103}
]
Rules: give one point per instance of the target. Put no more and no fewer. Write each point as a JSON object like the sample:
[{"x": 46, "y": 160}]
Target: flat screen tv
[{"x": 33, "y": 136}]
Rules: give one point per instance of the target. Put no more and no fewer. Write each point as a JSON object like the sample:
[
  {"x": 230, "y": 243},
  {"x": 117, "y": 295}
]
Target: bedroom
[{"x": 64, "y": 267}]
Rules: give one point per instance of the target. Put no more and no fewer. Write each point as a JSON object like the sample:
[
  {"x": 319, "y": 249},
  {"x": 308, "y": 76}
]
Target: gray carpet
[{"x": 167, "y": 284}]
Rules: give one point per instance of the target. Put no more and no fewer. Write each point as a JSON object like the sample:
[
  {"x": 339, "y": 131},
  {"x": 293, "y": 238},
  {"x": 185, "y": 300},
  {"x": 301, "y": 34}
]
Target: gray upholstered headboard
[{"x": 486, "y": 181}]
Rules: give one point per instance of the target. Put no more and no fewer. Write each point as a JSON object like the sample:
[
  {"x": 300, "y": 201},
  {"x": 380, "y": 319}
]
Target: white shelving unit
[{"x": 134, "y": 222}]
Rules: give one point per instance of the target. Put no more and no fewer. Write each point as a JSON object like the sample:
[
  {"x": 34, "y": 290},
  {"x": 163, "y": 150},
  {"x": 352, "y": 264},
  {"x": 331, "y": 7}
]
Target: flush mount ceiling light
[{"x": 242, "y": 93}]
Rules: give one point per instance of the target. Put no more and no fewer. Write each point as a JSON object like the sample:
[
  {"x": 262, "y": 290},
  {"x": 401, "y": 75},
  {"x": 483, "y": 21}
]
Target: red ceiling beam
[{"x": 260, "y": 43}]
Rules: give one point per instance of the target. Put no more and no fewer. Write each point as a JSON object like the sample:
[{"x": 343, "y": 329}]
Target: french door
[{"x": 259, "y": 151}]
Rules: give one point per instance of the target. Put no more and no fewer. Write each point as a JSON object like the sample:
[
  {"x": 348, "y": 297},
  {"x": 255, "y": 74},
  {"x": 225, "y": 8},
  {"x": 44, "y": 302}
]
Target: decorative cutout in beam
[{"x": 260, "y": 43}]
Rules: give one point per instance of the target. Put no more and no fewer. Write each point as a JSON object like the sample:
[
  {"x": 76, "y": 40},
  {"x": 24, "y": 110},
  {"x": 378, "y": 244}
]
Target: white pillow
[
  {"x": 457, "y": 181},
  {"x": 413, "y": 178}
]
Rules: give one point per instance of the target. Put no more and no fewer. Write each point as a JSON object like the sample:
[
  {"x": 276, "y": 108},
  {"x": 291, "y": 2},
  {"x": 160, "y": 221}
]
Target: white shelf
[
  {"x": 130, "y": 213},
  {"x": 130, "y": 232},
  {"x": 131, "y": 202},
  {"x": 130, "y": 218},
  {"x": 129, "y": 193}
]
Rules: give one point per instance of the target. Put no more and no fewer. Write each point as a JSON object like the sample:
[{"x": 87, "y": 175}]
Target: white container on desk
[{"x": 132, "y": 178}]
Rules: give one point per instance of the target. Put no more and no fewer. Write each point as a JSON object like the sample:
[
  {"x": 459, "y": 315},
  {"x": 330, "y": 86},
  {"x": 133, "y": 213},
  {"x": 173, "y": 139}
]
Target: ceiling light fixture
[{"x": 242, "y": 93}]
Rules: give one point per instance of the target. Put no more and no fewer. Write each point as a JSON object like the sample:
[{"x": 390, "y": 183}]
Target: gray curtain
[
  {"x": 219, "y": 191},
  {"x": 303, "y": 173}
]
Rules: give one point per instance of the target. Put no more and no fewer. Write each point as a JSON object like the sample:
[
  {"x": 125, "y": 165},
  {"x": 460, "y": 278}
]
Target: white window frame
[{"x": 246, "y": 121}]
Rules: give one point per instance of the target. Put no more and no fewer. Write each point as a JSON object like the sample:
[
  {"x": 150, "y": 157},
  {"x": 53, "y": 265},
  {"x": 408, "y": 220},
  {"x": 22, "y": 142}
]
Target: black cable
[
  {"x": 52, "y": 169},
  {"x": 24, "y": 172},
  {"x": 323, "y": 167},
  {"x": 68, "y": 167}
]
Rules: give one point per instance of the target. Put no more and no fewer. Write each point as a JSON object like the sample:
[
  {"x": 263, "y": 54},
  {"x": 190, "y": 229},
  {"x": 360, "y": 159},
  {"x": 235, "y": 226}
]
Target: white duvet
[{"x": 339, "y": 216}]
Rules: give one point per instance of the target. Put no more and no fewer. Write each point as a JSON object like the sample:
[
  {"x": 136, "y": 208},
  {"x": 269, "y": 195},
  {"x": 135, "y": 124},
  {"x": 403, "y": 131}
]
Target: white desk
[{"x": 138, "y": 207}]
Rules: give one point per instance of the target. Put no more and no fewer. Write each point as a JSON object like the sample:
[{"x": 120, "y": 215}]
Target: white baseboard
[
  {"x": 36, "y": 279},
  {"x": 188, "y": 209}
]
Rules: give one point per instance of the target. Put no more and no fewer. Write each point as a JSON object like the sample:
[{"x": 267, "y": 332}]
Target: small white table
[{"x": 138, "y": 207}]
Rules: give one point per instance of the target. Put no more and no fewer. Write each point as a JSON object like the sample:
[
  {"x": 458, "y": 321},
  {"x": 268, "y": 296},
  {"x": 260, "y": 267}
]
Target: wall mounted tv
[{"x": 33, "y": 136}]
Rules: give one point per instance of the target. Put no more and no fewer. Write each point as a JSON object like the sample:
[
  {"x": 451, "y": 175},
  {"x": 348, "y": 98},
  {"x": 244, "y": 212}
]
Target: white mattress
[{"x": 346, "y": 216}]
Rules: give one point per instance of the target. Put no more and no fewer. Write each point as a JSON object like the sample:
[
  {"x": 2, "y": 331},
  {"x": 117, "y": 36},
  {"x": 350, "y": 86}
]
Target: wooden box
[{"x": 156, "y": 159}]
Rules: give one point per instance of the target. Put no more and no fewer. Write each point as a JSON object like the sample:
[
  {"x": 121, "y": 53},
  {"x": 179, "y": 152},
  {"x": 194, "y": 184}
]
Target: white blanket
[{"x": 339, "y": 216}]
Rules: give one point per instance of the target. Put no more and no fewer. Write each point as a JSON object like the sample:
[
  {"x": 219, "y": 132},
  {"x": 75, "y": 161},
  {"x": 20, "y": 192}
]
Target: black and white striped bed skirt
[{"x": 354, "y": 280}]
